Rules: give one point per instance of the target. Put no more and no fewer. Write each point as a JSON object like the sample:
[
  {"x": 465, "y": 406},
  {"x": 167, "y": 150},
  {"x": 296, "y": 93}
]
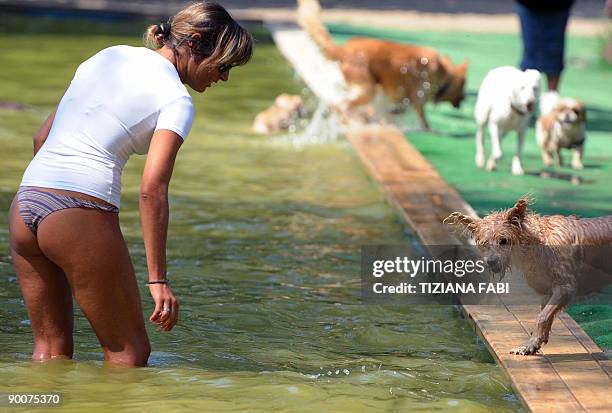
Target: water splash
[{"x": 323, "y": 128}]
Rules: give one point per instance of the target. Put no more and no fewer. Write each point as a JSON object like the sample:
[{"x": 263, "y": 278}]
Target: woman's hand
[{"x": 166, "y": 310}]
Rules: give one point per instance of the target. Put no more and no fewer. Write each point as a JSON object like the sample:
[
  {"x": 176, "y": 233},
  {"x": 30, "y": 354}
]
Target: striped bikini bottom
[{"x": 35, "y": 205}]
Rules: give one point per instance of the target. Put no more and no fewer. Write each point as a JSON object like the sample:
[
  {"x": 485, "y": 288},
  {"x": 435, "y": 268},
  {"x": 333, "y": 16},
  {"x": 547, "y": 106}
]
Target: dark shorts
[
  {"x": 543, "y": 34},
  {"x": 35, "y": 205}
]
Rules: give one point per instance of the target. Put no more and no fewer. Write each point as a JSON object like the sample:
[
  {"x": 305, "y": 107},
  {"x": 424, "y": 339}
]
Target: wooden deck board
[{"x": 572, "y": 374}]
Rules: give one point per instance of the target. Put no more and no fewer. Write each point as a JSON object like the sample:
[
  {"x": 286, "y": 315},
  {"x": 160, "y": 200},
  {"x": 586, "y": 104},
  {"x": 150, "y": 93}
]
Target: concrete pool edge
[{"x": 573, "y": 374}]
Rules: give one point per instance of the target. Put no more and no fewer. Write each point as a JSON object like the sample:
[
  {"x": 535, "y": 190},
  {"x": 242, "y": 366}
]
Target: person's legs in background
[
  {"x": 553, "y": 81},
  {"x": 543, "y": 35}
]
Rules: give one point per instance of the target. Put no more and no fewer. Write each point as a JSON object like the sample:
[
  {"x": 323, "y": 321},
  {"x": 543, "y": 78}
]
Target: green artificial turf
[{"x": 450, "y": 148}]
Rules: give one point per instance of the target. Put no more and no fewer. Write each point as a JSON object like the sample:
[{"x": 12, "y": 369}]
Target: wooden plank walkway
[{"x": 572, "y": 374}]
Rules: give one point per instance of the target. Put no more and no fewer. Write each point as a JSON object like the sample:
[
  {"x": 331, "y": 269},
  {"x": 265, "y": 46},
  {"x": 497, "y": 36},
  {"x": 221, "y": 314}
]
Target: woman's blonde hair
[{"x": 223, "y": 41}]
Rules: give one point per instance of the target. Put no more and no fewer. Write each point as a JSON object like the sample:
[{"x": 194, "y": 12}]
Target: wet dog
[
  {"x": 561, "y": 257},
  {"x": 281, "y": 115},
  {"x": 562, "y": 125},
  {"x": 506, "y": 99},
  {"x": 405, "y": 73}
]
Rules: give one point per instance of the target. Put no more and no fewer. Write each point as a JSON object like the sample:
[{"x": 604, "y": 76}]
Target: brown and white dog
[
  {"x": 562, "y": 125},
  {"x": 561, "y": 257},
  {"x": 405, "y": 73},
  {"x": 281, "y": 115}
]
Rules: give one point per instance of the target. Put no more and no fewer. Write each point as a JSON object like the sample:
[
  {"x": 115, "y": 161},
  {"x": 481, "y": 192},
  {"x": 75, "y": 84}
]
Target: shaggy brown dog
[
  {"x": 404, "y": 72},
  {"x": 560, "y": 256}
]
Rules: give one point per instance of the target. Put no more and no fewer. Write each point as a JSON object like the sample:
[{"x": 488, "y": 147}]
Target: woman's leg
[
  {"x": 88, "y": 245},
  {"x": 45, "y": 290}
]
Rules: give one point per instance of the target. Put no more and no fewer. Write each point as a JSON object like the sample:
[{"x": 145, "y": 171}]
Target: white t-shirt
[{"x": 115, "y": 102}]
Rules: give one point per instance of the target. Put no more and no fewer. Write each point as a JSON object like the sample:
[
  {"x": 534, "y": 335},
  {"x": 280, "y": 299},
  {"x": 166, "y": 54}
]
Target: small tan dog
[
  {"x": 562, "y": 124},
  {"x": 561, "y": 257},
  {"x": 281, "y": 115},
  {"x": 404, "y": 72}
]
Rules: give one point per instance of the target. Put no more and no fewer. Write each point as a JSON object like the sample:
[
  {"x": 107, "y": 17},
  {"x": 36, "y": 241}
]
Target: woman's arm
[
  {"x": 154, "y": 220},
  {"x": 43, "y": 132}
]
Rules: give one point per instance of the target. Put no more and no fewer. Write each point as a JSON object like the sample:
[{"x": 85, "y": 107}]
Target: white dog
[{"x": 506, "y": 100}]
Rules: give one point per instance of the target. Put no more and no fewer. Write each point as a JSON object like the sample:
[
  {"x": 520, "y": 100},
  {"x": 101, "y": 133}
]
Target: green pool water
[{"x": 264, "y": 254}]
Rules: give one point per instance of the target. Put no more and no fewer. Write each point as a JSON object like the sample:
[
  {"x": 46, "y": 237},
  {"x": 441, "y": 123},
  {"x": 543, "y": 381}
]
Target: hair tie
[{"x": 165, "y": 28}]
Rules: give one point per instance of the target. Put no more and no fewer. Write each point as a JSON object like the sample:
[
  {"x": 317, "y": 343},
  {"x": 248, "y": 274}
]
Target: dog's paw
[
  {"x": 480, "y": 160},
  {"x": 577, "y": 165},
  {"x": 530, "y": 348},
  {"x": 491, "y": 165},
  {"x": 517, "y": 168},
  {"x": 547, "y": 160}
]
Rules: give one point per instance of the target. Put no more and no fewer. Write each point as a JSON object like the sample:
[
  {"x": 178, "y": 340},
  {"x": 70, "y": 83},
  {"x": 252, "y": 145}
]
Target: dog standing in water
[
  {"x": 561, "y": 257},
  {"x": 506, "y": 100},
  {"x": 404, "y": 72},
  {"x": 285, "y": 111}
]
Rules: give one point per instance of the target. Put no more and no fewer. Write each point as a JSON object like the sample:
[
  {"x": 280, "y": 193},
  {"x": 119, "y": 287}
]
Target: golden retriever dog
[
  {"x": 405, "y": 73},
  {"x": 561, "y": 257},
  {"x": 561, "y": 125},
  {"x": 281, "y": 115}
]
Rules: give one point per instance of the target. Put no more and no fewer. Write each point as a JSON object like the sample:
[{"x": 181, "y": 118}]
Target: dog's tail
[{"x": 309, "y": 17}]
